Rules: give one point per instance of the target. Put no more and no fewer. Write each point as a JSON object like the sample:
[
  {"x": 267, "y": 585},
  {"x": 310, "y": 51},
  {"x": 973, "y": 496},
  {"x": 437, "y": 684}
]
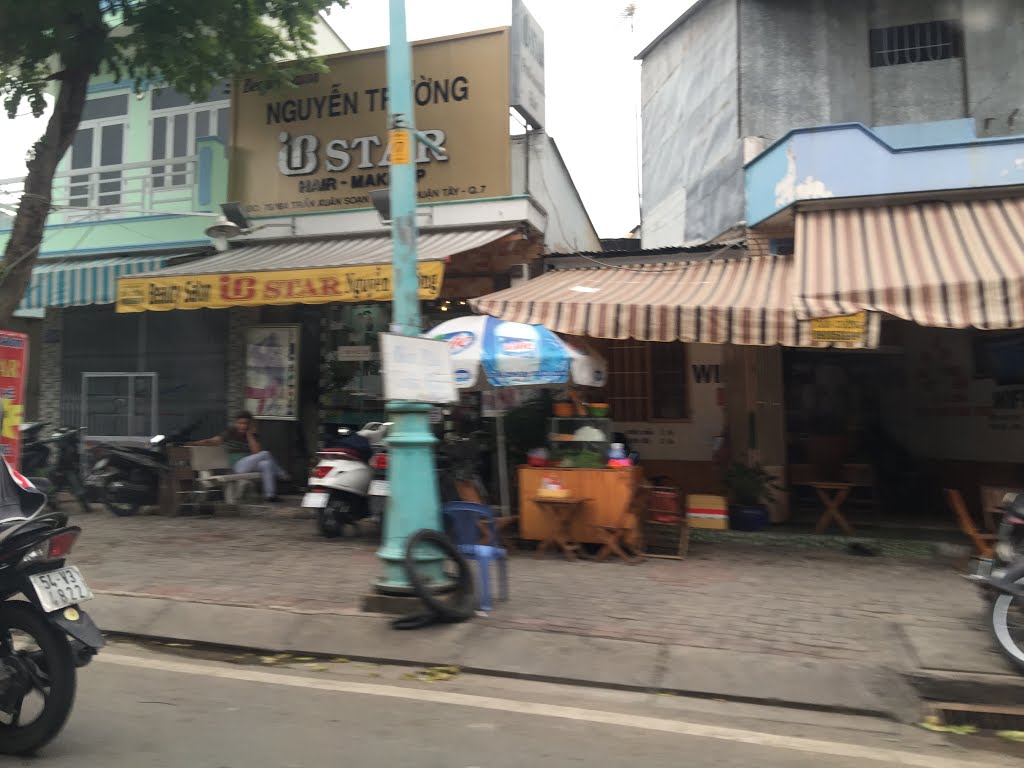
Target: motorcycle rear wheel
[
  {"x": 123, "y": 510},
  {"x": 1007, "y": 622},
  {"x": 327, "y": 524},
  {"x": 54, "y": 661}
]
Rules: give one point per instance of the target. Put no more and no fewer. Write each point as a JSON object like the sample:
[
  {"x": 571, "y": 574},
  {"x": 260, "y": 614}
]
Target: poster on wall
[
  {"x": 13, "y": 362},
  {"x": 272, "y": 372}
]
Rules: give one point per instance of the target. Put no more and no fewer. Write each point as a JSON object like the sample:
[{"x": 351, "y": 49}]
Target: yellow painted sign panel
[
  {"x": 324, "y": 145},
  {"x": 847, "y": 328},
  {"x": 254, "y": 289}
]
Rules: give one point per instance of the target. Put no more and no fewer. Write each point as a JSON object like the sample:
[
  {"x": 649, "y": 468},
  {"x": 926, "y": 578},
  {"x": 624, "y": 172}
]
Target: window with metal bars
[
  {"x": 646, "y": 380},
  {"x": 916, "y": 43}
]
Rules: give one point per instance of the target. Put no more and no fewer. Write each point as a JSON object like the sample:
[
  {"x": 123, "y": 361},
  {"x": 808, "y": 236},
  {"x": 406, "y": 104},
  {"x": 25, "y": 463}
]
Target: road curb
[
  {"x": 967, "y": 688},
  {"x": 553, "y": 657}
]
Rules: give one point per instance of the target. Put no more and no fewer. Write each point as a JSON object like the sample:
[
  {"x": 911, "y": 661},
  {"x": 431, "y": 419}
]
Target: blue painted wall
[{"x": 851, "y": 160}]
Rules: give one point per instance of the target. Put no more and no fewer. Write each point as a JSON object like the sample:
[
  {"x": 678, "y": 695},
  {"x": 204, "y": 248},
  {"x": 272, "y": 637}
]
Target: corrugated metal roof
[
  {"x": 649, "y": 256},
  {"x": 336, "y": 252},
  {"x": 672, "y": 250}
]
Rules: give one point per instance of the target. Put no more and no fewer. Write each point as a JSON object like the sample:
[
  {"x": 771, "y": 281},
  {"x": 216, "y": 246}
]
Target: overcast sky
[{"x": 592, "y": 84}]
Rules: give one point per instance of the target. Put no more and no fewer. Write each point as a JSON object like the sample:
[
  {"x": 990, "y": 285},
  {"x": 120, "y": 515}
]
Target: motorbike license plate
[
  {"x": 60, "y": 589},
  {"x": 380, "y": 488},
  {"x": 316, "y": 500}
]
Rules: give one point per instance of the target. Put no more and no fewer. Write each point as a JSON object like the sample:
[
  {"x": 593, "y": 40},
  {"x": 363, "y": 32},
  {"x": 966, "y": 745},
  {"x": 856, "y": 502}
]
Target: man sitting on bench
[{"x": 246, "y": 455}]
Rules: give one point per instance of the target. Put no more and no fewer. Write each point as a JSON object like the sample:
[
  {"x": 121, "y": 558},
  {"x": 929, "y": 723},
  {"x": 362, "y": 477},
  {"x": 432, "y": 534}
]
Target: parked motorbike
[
  {"x": 1007, "y": 610},
  {"x": 349, "y": 473},
  {"x": 64, "y": 473},
  {"x": 1001, "y": 579},
  {"x": 35, "y": 452},
  {"x": 1008, "y": 545},
  {"x": 126, "y": 478},
  {"x": 38, "y": 661},
  {"x": 1010, "y": 536}
]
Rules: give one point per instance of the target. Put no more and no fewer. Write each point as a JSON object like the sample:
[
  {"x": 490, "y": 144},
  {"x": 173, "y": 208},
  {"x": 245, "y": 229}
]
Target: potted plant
[{"x": 749, "y": 487}]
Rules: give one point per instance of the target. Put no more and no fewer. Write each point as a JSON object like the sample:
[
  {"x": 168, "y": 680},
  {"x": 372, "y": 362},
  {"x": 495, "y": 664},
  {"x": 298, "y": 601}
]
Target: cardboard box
[{"x": 705, "y": 511}]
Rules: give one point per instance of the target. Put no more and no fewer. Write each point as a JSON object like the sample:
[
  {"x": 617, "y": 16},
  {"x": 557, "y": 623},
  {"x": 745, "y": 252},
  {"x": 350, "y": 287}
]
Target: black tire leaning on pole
[{"x": 461, "y": 603}]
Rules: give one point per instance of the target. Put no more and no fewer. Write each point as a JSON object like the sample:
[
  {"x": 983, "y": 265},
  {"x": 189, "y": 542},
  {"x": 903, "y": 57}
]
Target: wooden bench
[{"x": 213, "y": 471}]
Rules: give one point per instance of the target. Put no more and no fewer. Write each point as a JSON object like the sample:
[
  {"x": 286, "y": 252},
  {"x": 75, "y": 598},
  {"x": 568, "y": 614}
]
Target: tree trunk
[{"x": 27, "y": 233}]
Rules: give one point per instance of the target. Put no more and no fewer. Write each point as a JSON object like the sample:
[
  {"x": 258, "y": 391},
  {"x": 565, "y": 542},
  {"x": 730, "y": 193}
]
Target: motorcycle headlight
[{"x": 101, "y": 463}]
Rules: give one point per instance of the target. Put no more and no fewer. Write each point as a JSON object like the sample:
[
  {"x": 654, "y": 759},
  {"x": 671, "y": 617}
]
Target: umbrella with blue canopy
[{"x": 488, "y": 353}]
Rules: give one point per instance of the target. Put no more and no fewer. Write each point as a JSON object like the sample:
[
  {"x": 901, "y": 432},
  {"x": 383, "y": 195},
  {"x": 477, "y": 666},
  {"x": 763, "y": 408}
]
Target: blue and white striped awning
[{"x": 67, "y": 283}]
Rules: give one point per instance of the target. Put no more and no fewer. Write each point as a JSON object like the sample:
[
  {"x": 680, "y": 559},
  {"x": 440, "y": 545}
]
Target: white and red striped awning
[
  {"x": 947, "y": 265},
  {"x": 738, "y": 300}
]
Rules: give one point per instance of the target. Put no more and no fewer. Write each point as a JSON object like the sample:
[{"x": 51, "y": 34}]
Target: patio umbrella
[{"x": 488, "y": 353}]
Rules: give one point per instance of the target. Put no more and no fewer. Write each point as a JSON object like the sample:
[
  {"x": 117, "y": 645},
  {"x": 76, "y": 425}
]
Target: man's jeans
[{"x": 263, "y": 463}]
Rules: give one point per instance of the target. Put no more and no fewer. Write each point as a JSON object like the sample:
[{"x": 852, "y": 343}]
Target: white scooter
[{"x": 345, "y": 479}]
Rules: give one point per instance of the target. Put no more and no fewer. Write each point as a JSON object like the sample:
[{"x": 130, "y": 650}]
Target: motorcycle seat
[{"x": 10, "y": 522}]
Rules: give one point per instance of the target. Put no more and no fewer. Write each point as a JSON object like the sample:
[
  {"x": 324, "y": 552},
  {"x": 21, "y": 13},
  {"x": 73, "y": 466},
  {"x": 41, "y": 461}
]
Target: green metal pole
[{"x": 414, "y": 500}]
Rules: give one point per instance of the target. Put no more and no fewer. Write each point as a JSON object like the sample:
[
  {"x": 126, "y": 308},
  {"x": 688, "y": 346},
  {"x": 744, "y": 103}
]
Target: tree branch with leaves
[{"x": 57, "y": 46}]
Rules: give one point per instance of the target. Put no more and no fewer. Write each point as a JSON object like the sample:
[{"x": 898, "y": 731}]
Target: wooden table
[
  {"x": 564, "y": 510},
  {"x": 833, "y": 495},
  {"x": 608, "y": 491}
]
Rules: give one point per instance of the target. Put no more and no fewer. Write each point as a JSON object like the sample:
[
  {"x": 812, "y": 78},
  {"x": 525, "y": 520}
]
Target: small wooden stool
[
  {"x": 563, "y": 510},
  {"x": 833, "y": 503},
  {"x": 614, "y": 536}
]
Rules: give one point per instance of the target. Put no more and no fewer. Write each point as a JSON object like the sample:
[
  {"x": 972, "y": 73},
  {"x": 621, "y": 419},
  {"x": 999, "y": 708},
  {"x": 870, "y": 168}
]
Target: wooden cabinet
[{"x": 607, "y": 490}]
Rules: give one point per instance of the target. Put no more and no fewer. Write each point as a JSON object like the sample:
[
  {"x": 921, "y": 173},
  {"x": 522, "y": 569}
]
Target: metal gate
[{"x": 119, "y": 406}]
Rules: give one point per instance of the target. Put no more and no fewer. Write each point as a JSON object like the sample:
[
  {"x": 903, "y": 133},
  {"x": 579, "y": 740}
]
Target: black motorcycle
[
  {"x": 1006, "y": 610},
  {"x": 44, "y": 634},
  {"x": 127, "y": 478},
  {"x": 64, "y": 471},
  {"x": 35, "y": 451},
  {"x": 1001, "y": 579}
]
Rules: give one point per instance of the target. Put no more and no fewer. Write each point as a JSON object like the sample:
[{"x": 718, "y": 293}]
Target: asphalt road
[{"x": 171, "y": 707}]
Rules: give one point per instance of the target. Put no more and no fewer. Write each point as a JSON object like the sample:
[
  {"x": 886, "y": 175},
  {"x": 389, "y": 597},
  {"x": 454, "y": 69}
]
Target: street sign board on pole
[{"x": 417, "y": 370}]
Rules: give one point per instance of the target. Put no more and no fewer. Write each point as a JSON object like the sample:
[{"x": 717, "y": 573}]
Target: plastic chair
[{"x": 461, "y": 519}]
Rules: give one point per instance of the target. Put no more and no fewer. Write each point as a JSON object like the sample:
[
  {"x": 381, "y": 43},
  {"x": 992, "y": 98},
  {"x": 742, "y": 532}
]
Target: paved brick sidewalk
[{"x": 823, "y": 604}]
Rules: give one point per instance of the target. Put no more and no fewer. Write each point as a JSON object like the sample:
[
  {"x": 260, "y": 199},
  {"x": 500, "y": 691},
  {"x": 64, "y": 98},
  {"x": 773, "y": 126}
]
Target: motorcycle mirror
[{"x": 156, "y": 439}]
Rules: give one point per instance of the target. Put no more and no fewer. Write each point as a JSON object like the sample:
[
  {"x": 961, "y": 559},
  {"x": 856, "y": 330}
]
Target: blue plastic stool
[{"x": 461, "y": 523}]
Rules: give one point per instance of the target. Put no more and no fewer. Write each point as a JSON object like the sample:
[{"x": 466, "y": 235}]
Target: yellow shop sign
[
  {"x": 253, "y": 289},
  {"x": 846, "y": 328}
]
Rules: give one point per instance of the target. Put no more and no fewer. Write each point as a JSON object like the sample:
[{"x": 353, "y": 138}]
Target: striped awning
[
  {"x": 65, "y": 283},
  {"x": 747, "y": 300},
  {"x": 945, "y": 265}
]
